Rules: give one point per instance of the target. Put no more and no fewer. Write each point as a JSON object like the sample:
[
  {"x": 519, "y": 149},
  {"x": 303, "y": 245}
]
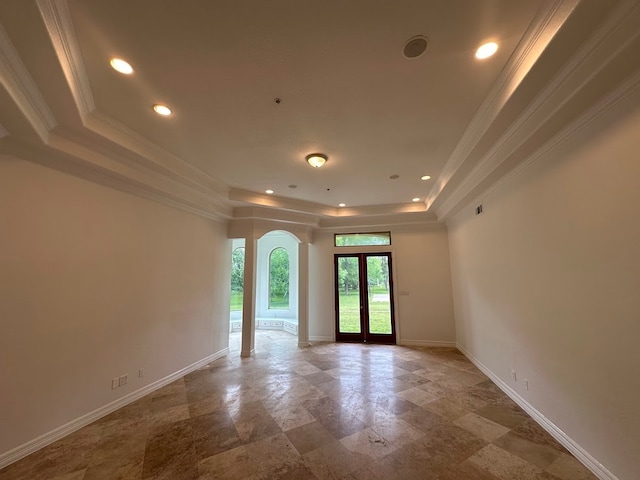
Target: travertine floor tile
[
  {"x": 481, "y": 427},
  {"x": 332, "y": 411},
  {"x": 506, "y": 466},
  {"x": 567, "y": 467}
]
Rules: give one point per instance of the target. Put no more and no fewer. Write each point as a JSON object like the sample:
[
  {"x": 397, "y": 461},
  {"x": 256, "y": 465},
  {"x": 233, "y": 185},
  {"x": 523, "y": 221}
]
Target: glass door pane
[
  {"x": 379, "y": 294},
  {"x": 348, "y": 294}
]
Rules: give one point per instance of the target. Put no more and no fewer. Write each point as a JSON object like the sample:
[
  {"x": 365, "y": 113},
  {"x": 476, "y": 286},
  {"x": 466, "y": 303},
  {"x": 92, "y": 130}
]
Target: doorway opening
[
  {"x": 364, "y": 298},
  {"x": 237, "y": 285},
  {"x": 276, "y": 290}
]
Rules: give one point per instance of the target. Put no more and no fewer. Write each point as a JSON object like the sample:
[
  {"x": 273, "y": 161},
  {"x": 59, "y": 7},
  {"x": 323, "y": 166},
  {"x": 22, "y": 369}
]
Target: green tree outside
[
  {"x": 279, "y": 279},
  {"x": 237, "y": 278}
]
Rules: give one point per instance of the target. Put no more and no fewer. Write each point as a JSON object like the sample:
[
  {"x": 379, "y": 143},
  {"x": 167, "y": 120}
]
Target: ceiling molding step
[
  {"x": 540, "y": 33},
  {"x": 80, "y": 161},
  {"x": 415, "y": 219},
  {"x": 153, "y": 156},
  {"x": 302, "y": 206},
  {"x": 59, "y": 24},
  {"x": 386, "y": 209},
  {"x": 18, "y": 82},
  {"x": 273, "y": 201},
  {"x": 57, "y": 20},
  {"x": 469, "y": 188},
  {"x": 262, "y": 213},
  {"x": 593, "y": 57}
]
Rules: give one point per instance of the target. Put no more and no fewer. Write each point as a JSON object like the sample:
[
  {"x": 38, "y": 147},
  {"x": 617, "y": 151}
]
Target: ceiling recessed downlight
[
  {"x": 486, "y": 50},
  {"x": 415, "y": 46},
  {"x": 342, "y": 204},
  {"x": 269, "y": 192},
  {"x": 121, "y": 66},
  {"x": 415, "y": 199},
  {"x": 316, "y": 160},
  {"x": 162, "y": 110},
  {"x": 425, "y": 177}
]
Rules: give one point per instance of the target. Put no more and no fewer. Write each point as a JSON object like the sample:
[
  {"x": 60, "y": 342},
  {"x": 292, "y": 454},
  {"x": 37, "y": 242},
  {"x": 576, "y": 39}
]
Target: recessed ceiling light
[
  {"x": 415, "y": 199},
  {"x": 121, "y": 66},
  {"x": 270, "y": 192},
  {"x": 316, "y": 160},
  {"x": 394, "y": 177},
  {"x": 415, "y": 46},
  {"x": 486, "y": 50},
  {"x": 342, "y": 204},
  {"x": 162, "y": 110},
  {"x": 293, "y": 186},
  {"x": 425, "y": 177}
]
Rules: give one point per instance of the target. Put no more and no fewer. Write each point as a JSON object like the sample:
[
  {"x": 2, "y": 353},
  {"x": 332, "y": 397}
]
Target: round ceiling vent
[{"x": 415, "y": 46}]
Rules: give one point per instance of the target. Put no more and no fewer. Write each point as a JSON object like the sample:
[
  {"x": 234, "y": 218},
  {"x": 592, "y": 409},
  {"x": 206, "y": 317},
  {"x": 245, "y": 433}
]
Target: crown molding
[
  {"x": 600, "y": 50},
  {"x": 535, "y": 40},
  {"x": 154, "y": 157},
  {"x": 262, "y": 213},
  {"x": 143, "y": 152},
  {"x": 398, "y": 220},
  {"x": 274, "y": 201},
  {"x": 81, "y": 161},
  {"x": 18, "y": 82},
  {"x": 57, "y": 20},
  {"x": 302, "y": 206},
  {"x": 627, "y": 94}
]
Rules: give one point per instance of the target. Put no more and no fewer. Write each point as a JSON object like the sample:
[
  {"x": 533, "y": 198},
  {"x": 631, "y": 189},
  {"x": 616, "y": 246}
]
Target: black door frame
[{"x": 364, "y": 336}]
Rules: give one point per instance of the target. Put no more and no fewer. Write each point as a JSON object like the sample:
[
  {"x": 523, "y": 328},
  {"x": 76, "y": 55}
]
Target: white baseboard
[
  {"x": 580, "y": 453},
  {"x": 31, "y": 446},
  {"x": 426, "y": 343},
  {"x": 321, "y": 338}
]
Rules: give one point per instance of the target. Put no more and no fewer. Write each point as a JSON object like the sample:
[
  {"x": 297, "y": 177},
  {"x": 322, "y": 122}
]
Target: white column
[
  {"x": 249, "y": 298},
  {"x": 303, "y": 294}
]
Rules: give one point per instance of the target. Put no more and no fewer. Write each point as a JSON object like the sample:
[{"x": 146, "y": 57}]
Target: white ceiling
[{"x": 346, "y": 90}]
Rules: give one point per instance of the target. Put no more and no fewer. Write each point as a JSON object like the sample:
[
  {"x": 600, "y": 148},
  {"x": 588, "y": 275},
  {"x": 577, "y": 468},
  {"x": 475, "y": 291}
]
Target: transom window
[{"x": 362, "y": 239}]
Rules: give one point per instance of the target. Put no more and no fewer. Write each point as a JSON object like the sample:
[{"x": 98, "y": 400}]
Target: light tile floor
[{"x": 332, "y": 411}]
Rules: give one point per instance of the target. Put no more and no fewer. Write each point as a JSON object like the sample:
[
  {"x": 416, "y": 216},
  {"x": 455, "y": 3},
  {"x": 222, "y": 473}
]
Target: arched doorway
[
  {"x": 277, "y": 282},
  {"x": 274, "y": 293}
]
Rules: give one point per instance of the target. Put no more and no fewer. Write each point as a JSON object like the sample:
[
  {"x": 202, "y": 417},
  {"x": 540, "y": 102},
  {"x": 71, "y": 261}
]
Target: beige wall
[
  {"x": 547, "y": 282},
  {"x": 422, "y": 283},
  {"x": 96, "y": 283}
]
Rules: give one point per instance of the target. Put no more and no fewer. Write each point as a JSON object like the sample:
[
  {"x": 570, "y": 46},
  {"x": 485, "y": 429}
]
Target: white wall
[
  {"x": 420, "y": 256},
  {"x": 547, "y": 282},
  {"x": 96, "y": 283}
]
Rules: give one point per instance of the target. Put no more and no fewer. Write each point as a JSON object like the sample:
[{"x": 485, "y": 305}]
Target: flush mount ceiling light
[
  {"x": 486, "y": 50},
  {"x": 269, "y": 192},
  {"x": 121, "y": 66},
  {"x": 425, "y": 177},
  {"x": 415, "y": 46},
  {"x": 316, "y": 160},
  {"x": 342, "y": 204},
  {"x": 415, "y": 199},
  {"x": 162, "y": 110}
]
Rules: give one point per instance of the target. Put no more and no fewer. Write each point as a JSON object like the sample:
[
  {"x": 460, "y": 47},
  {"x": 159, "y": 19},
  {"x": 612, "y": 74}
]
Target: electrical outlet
[
  {"x": 123, "y": 380},
  {"x": 514, "y": 376},
  {"x": 141, "y": 373},
  {"x": 115, "y": 383}
]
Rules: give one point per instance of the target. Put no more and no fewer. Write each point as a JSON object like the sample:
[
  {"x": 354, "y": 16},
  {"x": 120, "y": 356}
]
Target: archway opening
[{"x": 277, "y": 282}]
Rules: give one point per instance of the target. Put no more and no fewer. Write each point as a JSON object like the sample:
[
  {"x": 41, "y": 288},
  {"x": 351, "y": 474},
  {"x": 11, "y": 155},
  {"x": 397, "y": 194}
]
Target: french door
[{"x": 364, "y": 298}]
